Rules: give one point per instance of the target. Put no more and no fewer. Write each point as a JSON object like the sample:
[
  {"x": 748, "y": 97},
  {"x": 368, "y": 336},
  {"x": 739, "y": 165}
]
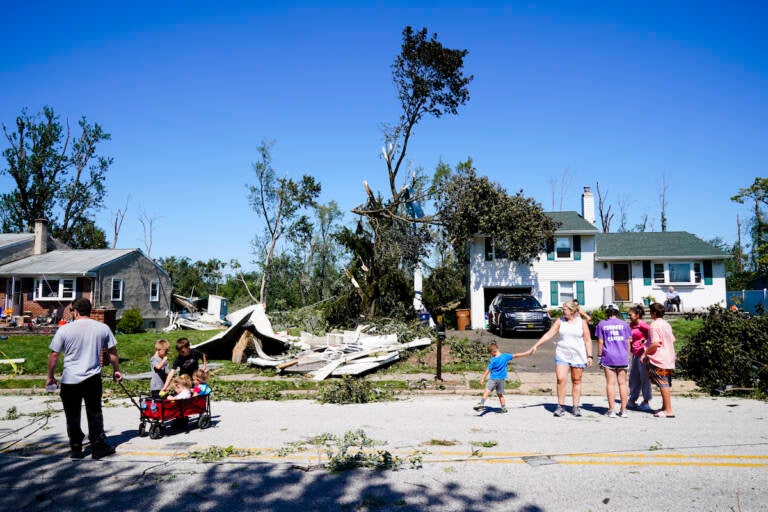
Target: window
[
  {"x": 566, "y": 290},
  {"x": 154, "y": 291},
  {"x": 117, "y": 289},
  {"x": 563, "y": 247},
  {"x": 54, "y": 289},
  {"x": 493, "y": 251},
  {"x": 679, "y": 272}
]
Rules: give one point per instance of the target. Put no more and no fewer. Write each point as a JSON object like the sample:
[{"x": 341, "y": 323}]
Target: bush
[
  {"x": 131, "y": 322},
  {"x": 731, "y": 349}
]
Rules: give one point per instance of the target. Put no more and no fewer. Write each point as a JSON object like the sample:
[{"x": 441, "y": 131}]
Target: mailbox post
[{"x": 440, "y": 338}]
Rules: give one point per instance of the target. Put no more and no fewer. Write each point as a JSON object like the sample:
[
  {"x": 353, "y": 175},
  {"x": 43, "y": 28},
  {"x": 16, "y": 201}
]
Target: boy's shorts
[
  {"x": 662, "y": 377},
  {"x": 495, "y": 385}
]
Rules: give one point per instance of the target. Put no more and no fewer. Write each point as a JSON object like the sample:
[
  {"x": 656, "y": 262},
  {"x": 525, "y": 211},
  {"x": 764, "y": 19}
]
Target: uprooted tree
[{"x": 57, "y": 176}]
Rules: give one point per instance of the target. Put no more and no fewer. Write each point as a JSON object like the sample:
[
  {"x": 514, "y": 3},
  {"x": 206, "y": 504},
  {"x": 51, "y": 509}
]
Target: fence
[{"x": 748, "y": 300}]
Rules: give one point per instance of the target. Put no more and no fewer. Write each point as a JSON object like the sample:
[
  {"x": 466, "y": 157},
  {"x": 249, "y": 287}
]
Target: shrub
[
  {"x": 131, "y": 322},
  {"x": 731, "y": 348}
]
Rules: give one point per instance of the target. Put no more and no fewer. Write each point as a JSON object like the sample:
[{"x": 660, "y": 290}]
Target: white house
[{"x": 600, "y": 268}]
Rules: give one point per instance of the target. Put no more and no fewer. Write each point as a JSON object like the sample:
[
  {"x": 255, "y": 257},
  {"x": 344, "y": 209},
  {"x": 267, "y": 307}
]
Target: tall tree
[
  {"x": 56, "y": 177},
  {"x": 757, "y": 194},
  {"x": 430, "y": 81},
  {"x": 279, "y": 203}
]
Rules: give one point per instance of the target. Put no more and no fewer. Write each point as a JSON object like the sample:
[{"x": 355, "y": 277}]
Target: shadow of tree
[{"x": 38, "y": 481}]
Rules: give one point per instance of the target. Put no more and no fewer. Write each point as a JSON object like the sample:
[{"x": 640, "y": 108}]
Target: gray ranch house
[
  {"x": 600, "y": 268},
  {"x": 40, "y": 276}
]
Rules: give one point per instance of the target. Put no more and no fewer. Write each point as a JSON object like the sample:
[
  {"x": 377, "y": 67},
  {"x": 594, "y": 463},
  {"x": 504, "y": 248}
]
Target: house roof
[
  {"x": 573, "y": 223},
  {"x": 667, "y": 245},
  {"x": 8, "y": 239},
  {"x": 78, "y": 262}
]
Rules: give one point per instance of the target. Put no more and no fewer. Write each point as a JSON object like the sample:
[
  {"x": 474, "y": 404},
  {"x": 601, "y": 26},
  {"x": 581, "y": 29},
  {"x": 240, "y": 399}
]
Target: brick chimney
[
  {"x": 588, "y": 206},
  {"x": 41, "y": 237}
]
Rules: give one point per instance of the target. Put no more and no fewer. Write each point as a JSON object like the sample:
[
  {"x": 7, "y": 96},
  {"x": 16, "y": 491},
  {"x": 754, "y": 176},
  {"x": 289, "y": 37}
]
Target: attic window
[{"x": 54, "y": 289}]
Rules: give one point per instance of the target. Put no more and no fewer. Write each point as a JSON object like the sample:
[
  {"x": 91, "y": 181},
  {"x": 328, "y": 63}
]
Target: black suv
[{"x": 517, "y": 313}]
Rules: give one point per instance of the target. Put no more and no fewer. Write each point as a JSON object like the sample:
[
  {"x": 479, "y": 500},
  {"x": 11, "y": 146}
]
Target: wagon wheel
[
  {"x": 156, "y": 431},
  {"x": 142, "y": 429},
  {"x": 204, "y": 421}
]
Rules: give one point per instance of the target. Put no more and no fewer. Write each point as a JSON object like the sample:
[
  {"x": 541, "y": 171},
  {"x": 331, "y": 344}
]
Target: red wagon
[{"x": 155, "y": 412}]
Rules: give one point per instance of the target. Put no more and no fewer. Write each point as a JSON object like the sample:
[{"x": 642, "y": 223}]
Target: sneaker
[
  {"x": 645, "y": 406},
  {"x": 479, "y": 406},
  {"x": 559, "y": 411},
  {"x": 611, "y": 414},
  {"x": 577, "y": 411},
  {"x": 101, "y": 450},
  {"x": 632, "y": 405},
  {"x": 622, "y": 414},
  {"x": 503, "y": 409},
  {"x": 76, "y": 451}
]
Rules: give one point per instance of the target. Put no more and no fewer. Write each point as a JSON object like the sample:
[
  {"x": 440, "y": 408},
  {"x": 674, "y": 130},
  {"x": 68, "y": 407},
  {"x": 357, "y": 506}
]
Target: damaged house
[{"x": 40, "y": 277}]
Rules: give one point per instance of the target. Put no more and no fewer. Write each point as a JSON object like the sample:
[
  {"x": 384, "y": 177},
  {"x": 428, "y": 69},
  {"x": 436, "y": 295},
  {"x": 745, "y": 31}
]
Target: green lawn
[
  {"x": 684, "y": 329},
  {"x": 134, "y": 349}
]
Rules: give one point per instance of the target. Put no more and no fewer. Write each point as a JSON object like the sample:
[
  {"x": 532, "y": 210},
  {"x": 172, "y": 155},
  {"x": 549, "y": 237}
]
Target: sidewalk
[{"x": 531, "y": 383}]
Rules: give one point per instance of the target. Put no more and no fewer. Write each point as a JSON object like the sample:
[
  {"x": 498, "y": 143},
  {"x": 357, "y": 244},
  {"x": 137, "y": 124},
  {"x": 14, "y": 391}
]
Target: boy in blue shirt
[{"x": 497, "y": 369}]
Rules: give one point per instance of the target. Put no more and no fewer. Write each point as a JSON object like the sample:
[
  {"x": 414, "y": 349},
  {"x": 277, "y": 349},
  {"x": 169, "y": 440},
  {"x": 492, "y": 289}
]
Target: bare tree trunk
[
  {"x": 117, "y": 222},
  {"x": 739, "y": 253},
  {"x": 605, "y": 214},
  {"x": 663, "y": 201},
  {"x": 148, "y": 226}
]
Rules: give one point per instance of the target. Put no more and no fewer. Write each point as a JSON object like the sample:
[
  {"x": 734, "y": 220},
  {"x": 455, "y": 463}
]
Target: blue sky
[{"x": 618, "y": 93}]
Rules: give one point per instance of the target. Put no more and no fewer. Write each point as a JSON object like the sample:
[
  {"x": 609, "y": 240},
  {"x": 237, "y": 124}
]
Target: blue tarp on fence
[{"x": 747, "y": 300}]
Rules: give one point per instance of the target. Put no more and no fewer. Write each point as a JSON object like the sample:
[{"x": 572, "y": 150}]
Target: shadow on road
[{"x": 34, "y": 481}]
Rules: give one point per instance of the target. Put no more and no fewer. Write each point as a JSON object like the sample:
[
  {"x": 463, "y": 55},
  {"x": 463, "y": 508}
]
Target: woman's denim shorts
[{"x": 560, "y": 362}]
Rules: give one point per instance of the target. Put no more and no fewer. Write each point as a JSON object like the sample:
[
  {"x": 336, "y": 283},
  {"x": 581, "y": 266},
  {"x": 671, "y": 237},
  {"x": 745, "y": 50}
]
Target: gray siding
[{"x": 137, "y": 272}]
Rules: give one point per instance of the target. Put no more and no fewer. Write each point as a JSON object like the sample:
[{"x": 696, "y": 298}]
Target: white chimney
[
  {"x": 41, "y": 237},
  {"x": 588, "y": 206}
]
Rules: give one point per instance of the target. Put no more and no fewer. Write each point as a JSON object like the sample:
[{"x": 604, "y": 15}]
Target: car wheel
[{"x": 502, "y": 332}]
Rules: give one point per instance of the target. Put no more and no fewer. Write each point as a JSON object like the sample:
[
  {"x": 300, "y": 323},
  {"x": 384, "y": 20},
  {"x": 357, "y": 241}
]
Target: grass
[
  {"x": 684, "y": 329},
  {"x": 134, "y": 349}
]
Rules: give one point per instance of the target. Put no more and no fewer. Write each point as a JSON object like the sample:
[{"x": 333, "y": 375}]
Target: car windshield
[{"x": 520, "y": 303}]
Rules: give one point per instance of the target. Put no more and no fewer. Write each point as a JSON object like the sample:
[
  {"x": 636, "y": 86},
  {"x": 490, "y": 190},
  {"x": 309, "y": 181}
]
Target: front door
[{"x": 621, "y": 282}]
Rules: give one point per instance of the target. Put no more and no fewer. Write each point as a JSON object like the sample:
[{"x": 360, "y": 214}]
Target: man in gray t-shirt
[{"x": 82, "y": 342}]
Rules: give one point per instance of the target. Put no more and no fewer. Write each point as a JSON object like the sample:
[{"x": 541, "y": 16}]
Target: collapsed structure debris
[{"x": 344, "y": 353}]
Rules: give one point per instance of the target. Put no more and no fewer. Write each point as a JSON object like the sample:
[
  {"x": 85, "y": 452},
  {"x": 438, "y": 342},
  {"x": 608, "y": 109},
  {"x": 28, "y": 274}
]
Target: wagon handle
[{"x": 129, "y": 394}]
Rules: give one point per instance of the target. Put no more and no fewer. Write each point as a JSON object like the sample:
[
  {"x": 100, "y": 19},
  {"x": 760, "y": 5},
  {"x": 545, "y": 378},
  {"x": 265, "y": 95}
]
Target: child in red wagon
[
  {"x": 183, "y": 387},
  {"x": 200, "y": 380}
]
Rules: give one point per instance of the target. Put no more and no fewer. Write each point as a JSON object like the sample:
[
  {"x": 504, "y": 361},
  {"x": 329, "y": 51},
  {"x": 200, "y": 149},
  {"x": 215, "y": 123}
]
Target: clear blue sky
[{"x": 615, "y": 92}]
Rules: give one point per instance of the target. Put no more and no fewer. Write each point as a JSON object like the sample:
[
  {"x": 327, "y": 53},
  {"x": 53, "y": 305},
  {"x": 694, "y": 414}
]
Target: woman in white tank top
[{"x": 573, "y": 353}]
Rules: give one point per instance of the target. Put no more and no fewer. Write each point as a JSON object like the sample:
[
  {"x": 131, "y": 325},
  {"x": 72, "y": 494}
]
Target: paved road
[{"x": 713, "y": 456}]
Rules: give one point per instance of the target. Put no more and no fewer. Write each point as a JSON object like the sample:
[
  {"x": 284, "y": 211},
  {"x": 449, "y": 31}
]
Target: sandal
[{"x": 662, "y": 414}]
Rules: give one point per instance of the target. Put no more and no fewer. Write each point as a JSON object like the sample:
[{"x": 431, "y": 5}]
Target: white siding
[{"x": 595, "y": 275}]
